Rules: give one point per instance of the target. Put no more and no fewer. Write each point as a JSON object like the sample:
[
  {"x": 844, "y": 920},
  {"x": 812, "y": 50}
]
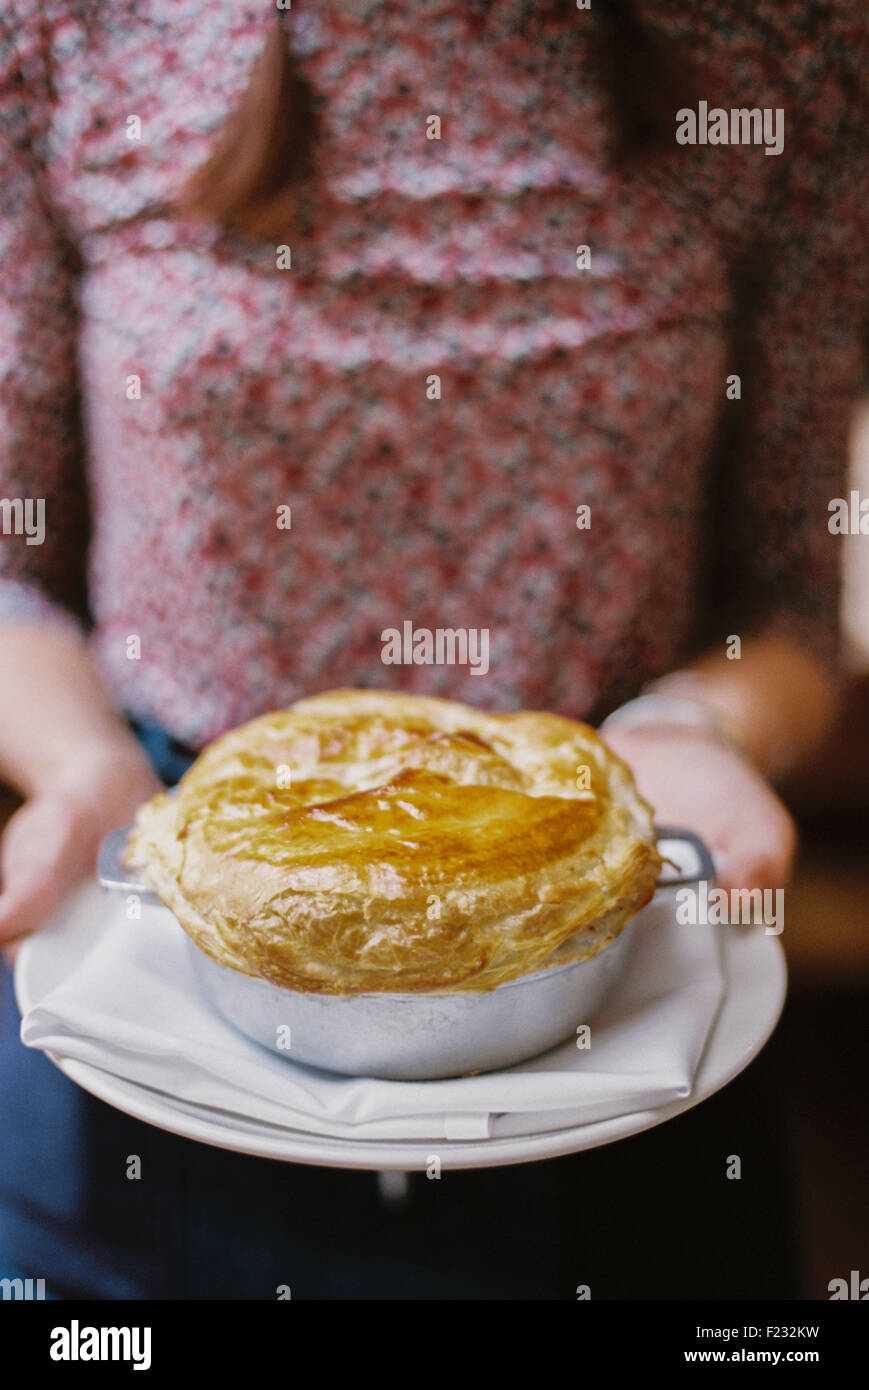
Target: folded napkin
[{"x": 132, "y": 1007}]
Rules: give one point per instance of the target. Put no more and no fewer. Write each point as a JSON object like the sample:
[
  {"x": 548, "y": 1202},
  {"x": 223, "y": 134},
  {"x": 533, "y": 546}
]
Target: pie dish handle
[
  {"x": 683, "y": 865},
  {"x": 114, "y": 874}
]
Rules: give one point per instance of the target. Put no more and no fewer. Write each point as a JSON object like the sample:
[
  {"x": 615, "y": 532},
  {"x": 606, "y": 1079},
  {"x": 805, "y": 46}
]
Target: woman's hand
[
  {"x": 51, "y": 842},
  {"x": 694, "y": 780}
]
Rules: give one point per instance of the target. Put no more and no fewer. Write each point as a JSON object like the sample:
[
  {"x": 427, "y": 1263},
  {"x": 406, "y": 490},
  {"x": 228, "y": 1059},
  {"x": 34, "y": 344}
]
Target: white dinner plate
[{"x": 755, "y": 984}]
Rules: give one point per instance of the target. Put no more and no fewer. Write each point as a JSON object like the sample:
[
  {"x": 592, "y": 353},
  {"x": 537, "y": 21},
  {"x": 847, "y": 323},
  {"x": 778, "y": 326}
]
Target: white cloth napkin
[{"x": 132, "y": 1007}]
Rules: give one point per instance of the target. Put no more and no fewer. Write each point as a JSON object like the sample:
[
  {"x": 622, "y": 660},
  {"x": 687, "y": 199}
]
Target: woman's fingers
[
  {"x": 757, "y": 848},
  {"x": 52, "y": 841},
  {"x": 697, "y": 781},
  {"x": 46, "y": 846}
]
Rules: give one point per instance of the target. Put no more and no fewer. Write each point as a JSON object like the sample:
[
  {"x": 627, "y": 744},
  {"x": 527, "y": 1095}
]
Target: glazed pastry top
[{"x": 364, "y": 841}]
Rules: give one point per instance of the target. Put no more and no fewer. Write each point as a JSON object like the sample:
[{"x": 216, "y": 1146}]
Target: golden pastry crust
[{"x": 420, "y": 845}]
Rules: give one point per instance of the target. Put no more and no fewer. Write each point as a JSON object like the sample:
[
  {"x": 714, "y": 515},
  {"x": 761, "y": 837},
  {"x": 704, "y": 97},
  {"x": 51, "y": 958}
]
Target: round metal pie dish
[
  {"x": 415, "y": 1037},
  {"x": 421, "y": 1036}
]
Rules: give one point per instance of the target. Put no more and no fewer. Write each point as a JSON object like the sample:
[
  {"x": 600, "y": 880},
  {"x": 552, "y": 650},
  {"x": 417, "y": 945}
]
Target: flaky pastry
[{"x": 365, "y": 841}]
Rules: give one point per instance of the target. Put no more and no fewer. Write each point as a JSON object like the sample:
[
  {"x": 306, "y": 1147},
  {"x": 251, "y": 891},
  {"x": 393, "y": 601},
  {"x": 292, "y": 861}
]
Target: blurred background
[{"x": 817, "y": 1055}]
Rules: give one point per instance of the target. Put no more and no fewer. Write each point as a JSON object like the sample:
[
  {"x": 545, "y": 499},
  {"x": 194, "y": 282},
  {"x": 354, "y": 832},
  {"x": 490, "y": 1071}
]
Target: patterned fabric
[{"x": 310, "y": 387}]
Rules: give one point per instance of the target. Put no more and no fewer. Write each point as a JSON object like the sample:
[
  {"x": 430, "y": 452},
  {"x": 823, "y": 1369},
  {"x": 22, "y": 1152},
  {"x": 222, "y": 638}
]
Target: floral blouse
[{"x": 501, "y": 382}]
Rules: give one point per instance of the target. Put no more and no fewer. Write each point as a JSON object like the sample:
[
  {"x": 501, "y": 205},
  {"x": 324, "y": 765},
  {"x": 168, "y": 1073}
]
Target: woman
[{"x": 322, "y": 321}]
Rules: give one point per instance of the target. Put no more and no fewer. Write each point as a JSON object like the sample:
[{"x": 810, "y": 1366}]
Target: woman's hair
[
  {"x": 250, "y": 181},
  {"x": 266, "y": 150}
]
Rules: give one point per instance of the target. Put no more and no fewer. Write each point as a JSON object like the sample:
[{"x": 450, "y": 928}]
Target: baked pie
[{"x": 364, "y": 841}]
